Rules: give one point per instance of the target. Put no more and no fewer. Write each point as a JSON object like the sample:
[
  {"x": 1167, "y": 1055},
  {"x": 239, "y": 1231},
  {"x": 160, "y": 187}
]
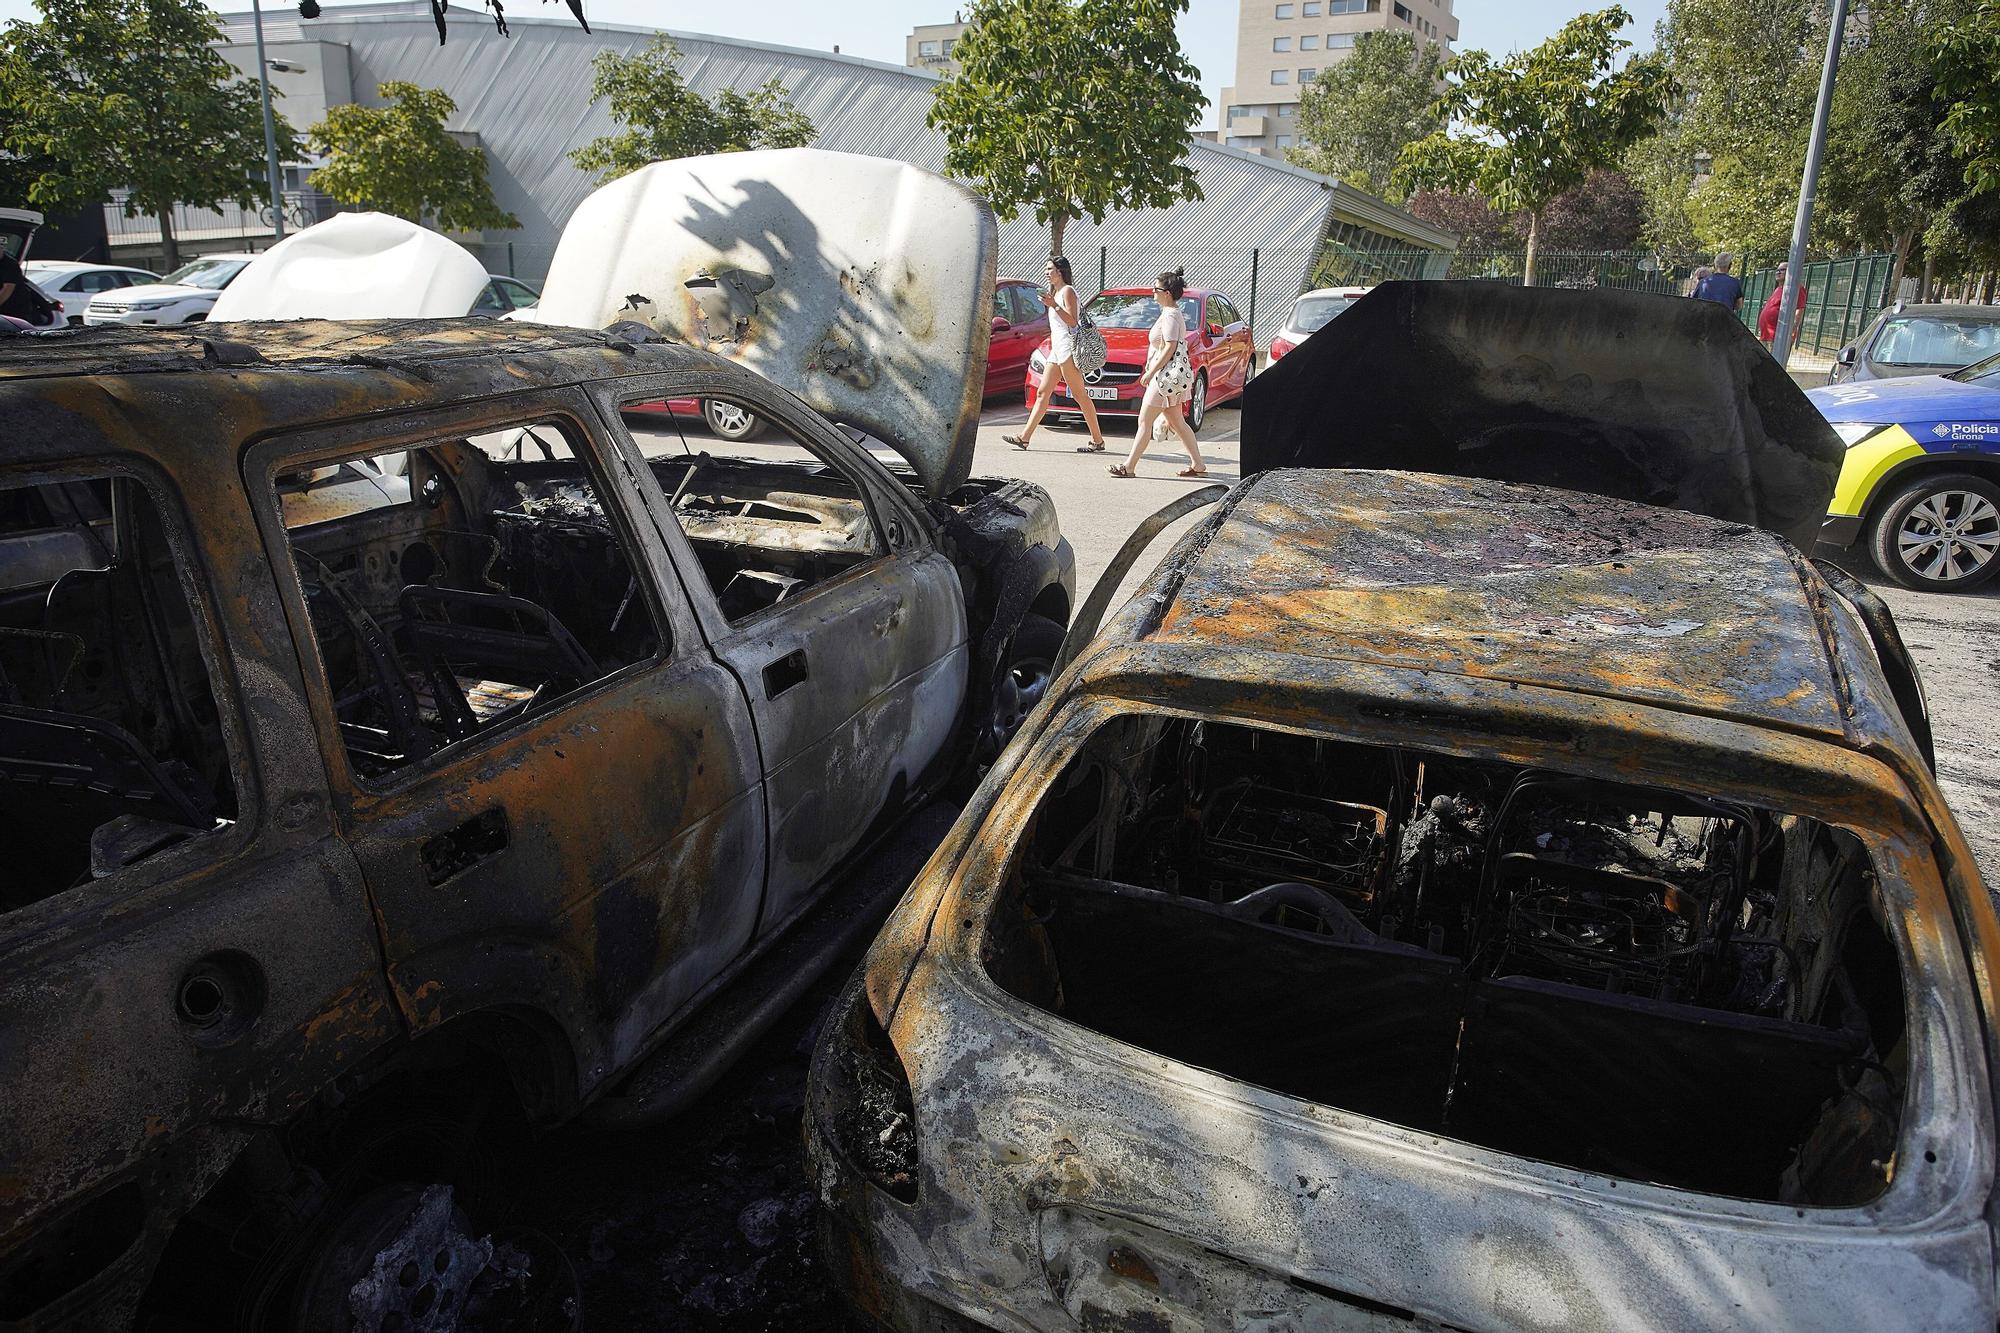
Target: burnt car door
[
  {"x": 551, "y": 785},
  {"x": 818, "y": 582},
  {"x": 167, "y": 855}
]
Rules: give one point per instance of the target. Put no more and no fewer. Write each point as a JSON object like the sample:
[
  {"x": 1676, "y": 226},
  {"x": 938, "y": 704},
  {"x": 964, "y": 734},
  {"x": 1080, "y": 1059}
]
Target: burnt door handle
[{"x": 784, "y": 673}]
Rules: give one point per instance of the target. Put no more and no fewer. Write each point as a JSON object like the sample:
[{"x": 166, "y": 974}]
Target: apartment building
[
  {"x": 1282, "y": 47},
  {"x": 929, "y": 46}
]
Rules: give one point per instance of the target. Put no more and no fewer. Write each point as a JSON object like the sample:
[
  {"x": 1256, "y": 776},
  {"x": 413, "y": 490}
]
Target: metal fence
[{"x": 1842, "y": 295}]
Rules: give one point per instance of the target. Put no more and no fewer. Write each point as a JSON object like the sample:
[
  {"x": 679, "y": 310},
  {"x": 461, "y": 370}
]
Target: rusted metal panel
[
  {"x": 1625, "y": 394},
  {"x": 1528, "y": 585}
]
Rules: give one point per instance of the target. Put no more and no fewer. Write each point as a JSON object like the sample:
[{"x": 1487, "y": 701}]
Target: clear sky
[{"x": 875, "y": 28}]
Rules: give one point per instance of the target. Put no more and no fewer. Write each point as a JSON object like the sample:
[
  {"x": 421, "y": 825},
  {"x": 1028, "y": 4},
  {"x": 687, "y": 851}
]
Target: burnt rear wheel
[{"x": 1026, "y": 670}]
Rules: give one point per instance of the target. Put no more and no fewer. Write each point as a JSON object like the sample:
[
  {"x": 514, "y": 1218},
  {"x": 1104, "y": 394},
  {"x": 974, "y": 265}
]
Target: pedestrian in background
[
  {"x": 1064, "y": 312},
  {"x": 1694, "y": 283},
  {"x": 1169, "y": 380},
  {"x": 1767, "y": 318},
  {"x": 1721, "y": 286}
]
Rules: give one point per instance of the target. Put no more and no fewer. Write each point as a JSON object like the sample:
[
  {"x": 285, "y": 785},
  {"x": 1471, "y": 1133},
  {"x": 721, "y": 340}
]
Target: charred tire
[
  {"x": 1026, "y": 670},
  {"x": 1197, "y": 406},
  {"x": 1939, "y": 534},
  {"x": 730, "y": 421}
]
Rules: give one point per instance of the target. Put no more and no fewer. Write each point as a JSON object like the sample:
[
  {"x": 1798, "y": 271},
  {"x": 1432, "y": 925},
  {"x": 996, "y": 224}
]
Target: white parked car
[
  {"x": 72, "y": 284},
  {"x": 185, "y": 295},
  {"x": 1312, "y": 312}
]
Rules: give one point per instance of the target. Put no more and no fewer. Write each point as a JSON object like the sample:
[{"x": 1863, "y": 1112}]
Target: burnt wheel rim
[
  {"x": 1020, "y": 687},
  {"x": 1949, "y": 536}
]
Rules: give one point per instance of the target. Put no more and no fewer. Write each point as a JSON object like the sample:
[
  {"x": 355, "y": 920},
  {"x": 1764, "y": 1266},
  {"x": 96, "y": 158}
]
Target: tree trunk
[
  {"x": 1534, "y": 244},
  {"x": 170, "y": 250},
  {"x": 1986, "y": 291},
  {"x": 1930, "y": 267},
  {"x": 1904, "y": 240},
  {"x": 1058, "y": 225}
]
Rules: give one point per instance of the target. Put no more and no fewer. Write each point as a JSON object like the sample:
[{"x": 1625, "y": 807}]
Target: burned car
[
  {"x": 1441, "y": 902},
  {"x": 355, "y": 810}
]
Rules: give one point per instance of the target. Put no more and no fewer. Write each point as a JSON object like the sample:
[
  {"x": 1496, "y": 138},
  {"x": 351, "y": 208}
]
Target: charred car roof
[
  {"x": 1525, "y": 585},
  {"x": 148, "y": 387}
]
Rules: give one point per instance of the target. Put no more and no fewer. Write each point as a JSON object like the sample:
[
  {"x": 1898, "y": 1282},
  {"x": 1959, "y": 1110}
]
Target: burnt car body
[
  {"x": 1442, "y": 902},
  {"x": 343, "y": 798}
]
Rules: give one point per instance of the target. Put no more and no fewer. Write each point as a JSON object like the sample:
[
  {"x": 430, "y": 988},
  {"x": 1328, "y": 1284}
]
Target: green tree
[
  {"x": 1533, "y": 125},
  {"x": 399, "y": 159},
  {"x": 107, "y": 93},
  {"x": 1357, "y": 116},
  {"x": 1967, "y": 57},
  {"x": 664, "y": 118},
  {"x": 1071, "y": 108}
]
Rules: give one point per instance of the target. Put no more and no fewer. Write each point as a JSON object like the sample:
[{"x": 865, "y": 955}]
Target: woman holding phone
[{"x": 1065, "y": 311}]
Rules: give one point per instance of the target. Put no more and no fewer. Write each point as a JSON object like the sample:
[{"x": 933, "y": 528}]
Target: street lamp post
[
  {"x": 270, "y": 128},
  {"x": 1788, "y": 299}
]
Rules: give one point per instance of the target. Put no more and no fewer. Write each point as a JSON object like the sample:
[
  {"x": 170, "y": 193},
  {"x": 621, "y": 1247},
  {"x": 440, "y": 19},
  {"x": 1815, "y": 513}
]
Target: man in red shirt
[{"x": 1767, "y": 318}]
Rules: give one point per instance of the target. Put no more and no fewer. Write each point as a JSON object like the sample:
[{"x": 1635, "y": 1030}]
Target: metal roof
[{"x": 527, "y": 96}]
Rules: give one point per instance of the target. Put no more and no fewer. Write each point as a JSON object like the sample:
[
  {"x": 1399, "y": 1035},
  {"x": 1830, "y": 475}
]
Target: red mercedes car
[{"x": 1220, "y": 345}]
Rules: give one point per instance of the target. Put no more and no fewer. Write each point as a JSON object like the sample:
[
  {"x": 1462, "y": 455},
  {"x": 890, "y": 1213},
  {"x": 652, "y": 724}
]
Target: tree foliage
[
  {"x": 1967, "y": 58},
  {"x": 399, "y": 159},
  {"x": 1532, "y": 126},
  {"x": 663, "y": 118},
  {"x": 1606, "y": 212},
  {"x": 1071, "y": 108},
  {"x": 1356, "y": 117},
  {"x": 107, "y": 93}
]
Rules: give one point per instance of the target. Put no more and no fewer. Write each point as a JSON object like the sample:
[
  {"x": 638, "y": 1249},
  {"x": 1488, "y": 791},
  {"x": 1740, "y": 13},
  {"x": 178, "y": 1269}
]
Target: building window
[
  {"x": 1310, "y": 9},
  {"x": 1285, "y": 111},
  {"x": 1281, "y": 43},
  {"x": 1309, "y": 43},
  {"x": 1236, "y": 113},
  {"x": 1284, "y": 141},
  {"x": 927, "y": 48},
  {"x": 1284, "y": 11},
  {"x": 1281, "y": 76},
  {"x": 1403, "y": 13},
  {"x": 949, "y": 42},
  {"x": 1347, "y": 6},
  {"x": 1337, "y": 40},
  {"x": 1306, "y": 75}
]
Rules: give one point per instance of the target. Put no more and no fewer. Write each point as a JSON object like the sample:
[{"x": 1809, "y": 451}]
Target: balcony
[
  {"x": 229, "y": 223},
  {"x": 1247, "y": 127}
]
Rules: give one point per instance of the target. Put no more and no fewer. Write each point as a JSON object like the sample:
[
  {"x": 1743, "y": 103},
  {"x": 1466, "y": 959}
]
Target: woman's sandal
[
  {"x": 1190, "y": 472},
  {"x": 1016, "y": 441},
  {"x": 1119, "y": 470},
  {"x": 1094, "y": 447}
]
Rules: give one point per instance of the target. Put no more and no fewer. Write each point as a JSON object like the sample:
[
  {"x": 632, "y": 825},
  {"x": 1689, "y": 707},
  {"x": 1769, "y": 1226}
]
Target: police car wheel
[{"x": 1940, "y": 534}]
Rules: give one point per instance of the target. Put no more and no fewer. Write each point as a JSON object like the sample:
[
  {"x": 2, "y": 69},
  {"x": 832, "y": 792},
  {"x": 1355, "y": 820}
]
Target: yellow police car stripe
[{"x": 1867, "y": 463}]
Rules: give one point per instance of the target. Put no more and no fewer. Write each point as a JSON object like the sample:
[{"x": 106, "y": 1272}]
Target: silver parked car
[{"x": 1919, "y": 340}]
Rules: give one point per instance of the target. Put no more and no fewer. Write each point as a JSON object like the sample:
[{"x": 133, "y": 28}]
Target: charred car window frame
[
  {"x": 892, "y": 514},
  {"x": 1934, "y": 980},
  {"x": 206, "y": 847},
  {"x": 268, "y": 457}
]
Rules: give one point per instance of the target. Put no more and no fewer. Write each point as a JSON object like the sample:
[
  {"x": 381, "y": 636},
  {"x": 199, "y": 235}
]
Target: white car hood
[
  {"x": 356, "y": 266},
  {"x": 861, "y": 284}
]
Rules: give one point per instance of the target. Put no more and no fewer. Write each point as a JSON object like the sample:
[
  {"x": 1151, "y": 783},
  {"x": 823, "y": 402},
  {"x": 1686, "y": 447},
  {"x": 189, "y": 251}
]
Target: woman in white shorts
[
  {"x": 1169, "y": 380},
  {"x": 1064, "y": 312}
]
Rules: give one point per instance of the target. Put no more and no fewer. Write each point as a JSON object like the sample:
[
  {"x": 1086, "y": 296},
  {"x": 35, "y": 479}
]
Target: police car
[{"x": 1921, "y": 483}]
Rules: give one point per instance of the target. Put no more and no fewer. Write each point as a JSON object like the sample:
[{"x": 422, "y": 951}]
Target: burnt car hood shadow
[
  {"x": 1632, "y": 395},
  {"x": 863, "y": 285}
]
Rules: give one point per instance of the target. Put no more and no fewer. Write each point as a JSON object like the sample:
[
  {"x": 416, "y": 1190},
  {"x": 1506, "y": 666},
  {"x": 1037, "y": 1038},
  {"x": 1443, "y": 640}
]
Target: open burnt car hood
[
  {"x": 1641, "y": 397},
  {"x": 863, "y": 285}
]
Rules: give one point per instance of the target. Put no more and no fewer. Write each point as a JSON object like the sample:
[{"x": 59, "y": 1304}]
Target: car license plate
[{"x": 1103, "y": 393}]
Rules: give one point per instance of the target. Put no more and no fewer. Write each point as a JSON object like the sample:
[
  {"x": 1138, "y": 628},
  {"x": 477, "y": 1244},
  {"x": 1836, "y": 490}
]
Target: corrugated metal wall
[{"x": 527, "y": 97}]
